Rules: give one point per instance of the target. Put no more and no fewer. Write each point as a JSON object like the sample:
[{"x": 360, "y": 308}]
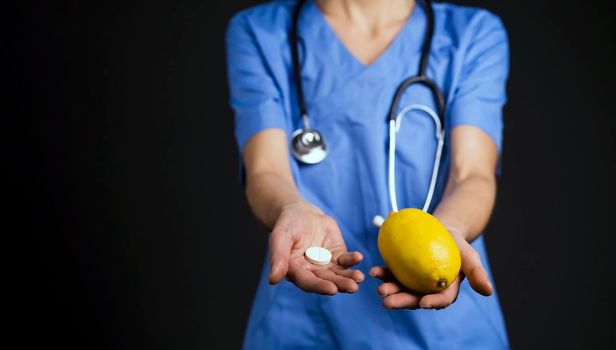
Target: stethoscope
[{"x": 308, "y": 145}]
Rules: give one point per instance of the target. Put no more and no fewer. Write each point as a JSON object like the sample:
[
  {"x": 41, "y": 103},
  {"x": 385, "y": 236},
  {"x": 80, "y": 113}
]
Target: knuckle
[{"x": 329, "y": 221}]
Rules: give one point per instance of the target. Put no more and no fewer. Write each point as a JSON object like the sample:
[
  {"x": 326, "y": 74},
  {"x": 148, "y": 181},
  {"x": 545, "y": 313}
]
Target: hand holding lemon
[{"x": 425, "y": 262}]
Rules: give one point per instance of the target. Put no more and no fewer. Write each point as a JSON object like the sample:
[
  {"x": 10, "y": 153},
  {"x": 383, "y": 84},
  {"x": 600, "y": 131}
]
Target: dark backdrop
[{"x": 136, "y": 233}]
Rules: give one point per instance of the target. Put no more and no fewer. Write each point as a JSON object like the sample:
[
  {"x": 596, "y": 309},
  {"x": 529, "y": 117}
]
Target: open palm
[
  {"x": 298, "y": 228},
  {"x": 396, "y": 296}
]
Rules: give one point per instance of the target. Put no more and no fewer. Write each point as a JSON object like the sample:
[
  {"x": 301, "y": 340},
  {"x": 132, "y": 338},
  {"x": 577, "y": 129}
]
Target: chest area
[{"x": 364, "y": 43}]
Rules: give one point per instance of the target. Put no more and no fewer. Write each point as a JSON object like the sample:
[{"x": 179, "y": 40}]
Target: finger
[
  {"x": 388, "y": 288},
  {"x": 475, "y": 272},
  {"x": 401, "y": 301},
  {"x": 343, "y": 284},
  {"x": 309, "y": 282},
  {"x": 442, "y": 299},
  {"x": 350, "y": 259},
  {"x": 381, "y": 273},
  {"x": 355, "y": 275},
  {"x": 280, "y": 249}
]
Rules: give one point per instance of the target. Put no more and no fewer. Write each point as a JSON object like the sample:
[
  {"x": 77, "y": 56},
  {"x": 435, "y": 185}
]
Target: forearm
[
  {"x": 467, "y": 204},
  {"x": 269, "y": 183},
  {"x": 269, "y": 193}
]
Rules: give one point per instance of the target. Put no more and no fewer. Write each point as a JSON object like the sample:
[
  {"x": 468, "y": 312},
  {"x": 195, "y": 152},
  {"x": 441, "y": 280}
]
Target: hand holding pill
[{"x": 307, "y": 248}]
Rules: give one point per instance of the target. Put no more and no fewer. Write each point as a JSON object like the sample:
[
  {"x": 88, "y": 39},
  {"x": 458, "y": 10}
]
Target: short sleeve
[
  {"x": 480, "y": 94},
  {"x": 254, "y": 96}
]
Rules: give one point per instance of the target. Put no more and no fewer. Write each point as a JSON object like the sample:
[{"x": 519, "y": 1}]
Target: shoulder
[
  {"x": 465, "y": 15},
  {"x": 465, "y": 25},
  {"x": 268, "y": 19}
]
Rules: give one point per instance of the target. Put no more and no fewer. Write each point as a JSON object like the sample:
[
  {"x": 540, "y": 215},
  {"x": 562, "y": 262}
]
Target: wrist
[
  {"x": 456, "y": 232},
  {"x": 293, "y": 208},
  {"x": 300, "y": 204}
]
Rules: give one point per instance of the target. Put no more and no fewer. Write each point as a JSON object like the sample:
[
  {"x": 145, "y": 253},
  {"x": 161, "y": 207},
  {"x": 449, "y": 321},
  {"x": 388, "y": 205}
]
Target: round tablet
[{"x": 318, "y": 255}]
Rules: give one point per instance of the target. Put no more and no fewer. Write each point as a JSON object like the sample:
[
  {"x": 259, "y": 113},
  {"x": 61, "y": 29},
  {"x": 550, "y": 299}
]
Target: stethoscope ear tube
[
  {"x": 395, "y": 117},
  {"x": 439, "y": 100},
  {"x": 297, "y": 75},
  {"x": 394, "y": 127},
  {"x": 308, "y": 145}
]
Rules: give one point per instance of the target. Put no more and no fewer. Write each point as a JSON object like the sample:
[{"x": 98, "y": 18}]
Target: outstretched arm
[
  {"x": 269, "y": 184},
  {"x": 295, "y": 223},
  {"x": 464, "y": 210},
  {"x": 469, "y": 196}
]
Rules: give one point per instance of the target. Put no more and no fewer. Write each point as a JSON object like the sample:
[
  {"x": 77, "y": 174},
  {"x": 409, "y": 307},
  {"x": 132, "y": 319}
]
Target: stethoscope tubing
[{"x": 394, "y": 116}]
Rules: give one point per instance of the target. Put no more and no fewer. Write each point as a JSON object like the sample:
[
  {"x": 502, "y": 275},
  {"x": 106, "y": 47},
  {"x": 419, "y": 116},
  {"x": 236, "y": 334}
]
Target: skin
[
  {"x": 464, "y": 210},
  {"x": 295, "y": 223},
  {"x": 367, "y": 27}
]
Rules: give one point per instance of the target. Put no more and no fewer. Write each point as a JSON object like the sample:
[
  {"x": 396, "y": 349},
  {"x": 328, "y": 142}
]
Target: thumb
[
  {"x": 475, "y": 272},
  {"x": 280, "y": 249}
]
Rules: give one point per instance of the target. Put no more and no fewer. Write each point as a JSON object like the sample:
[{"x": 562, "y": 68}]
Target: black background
[{"x": 136, "y": 234}]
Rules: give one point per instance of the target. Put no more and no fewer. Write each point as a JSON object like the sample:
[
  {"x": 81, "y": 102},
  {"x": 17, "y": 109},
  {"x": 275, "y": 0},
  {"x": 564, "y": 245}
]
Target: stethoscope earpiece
[{"x": 308, "y": 146}]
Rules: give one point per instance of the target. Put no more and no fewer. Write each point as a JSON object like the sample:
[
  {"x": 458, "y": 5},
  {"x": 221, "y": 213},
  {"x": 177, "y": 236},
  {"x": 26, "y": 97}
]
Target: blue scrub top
[{"x": 348, "y": 102}]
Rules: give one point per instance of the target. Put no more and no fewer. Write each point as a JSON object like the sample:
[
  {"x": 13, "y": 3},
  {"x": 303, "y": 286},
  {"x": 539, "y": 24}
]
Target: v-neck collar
[{"x": 409, "y": 37}]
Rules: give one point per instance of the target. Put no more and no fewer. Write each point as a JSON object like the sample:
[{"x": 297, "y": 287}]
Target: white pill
[{"x": 318, "y": 255}]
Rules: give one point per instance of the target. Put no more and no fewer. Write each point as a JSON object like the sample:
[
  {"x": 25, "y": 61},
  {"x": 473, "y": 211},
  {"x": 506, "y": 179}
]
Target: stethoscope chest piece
[{"x": 308, "y": 146}]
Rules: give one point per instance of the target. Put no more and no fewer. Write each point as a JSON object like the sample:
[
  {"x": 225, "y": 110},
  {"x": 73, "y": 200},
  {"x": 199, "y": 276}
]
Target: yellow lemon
[{"x": 419, "y": 251}]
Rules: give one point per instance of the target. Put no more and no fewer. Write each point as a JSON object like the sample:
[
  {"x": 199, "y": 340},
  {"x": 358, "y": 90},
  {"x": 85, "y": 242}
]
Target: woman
[{"x": 353, "y": 55}]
